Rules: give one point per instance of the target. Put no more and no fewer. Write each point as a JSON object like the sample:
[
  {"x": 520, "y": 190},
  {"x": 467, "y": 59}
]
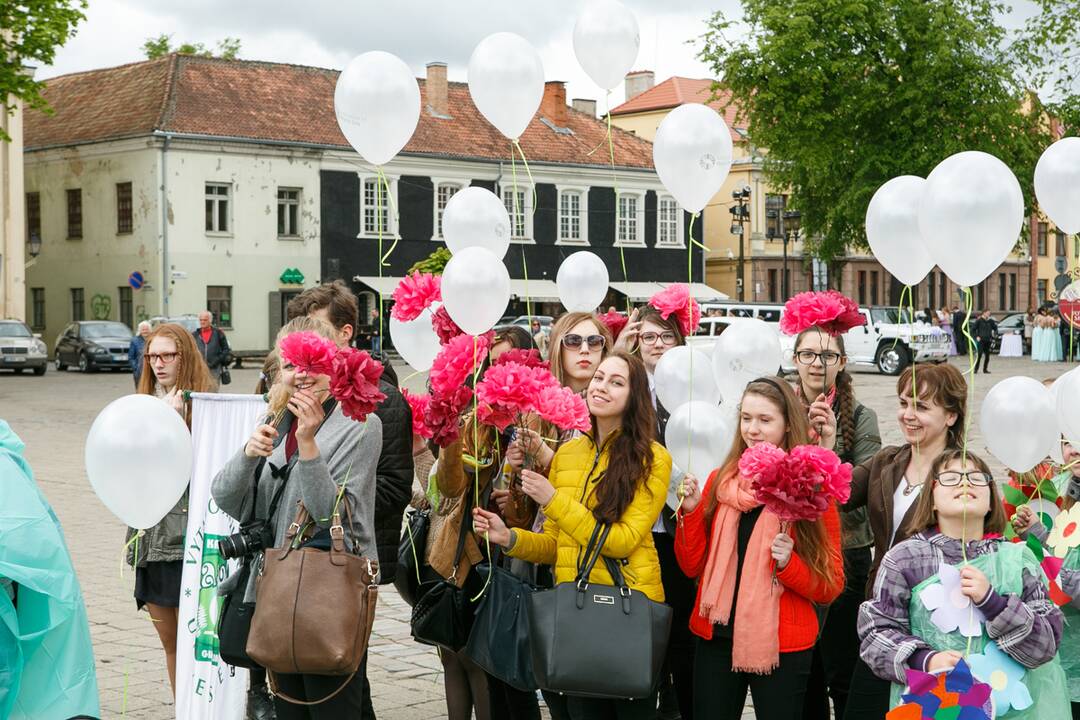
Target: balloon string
[
  {"x": 968, "y": 303},
  {"x": 379, "y": 231},
  {"x": 615, "y": 185},
  {"x": 514, "y": 144},
  {"x": 476, "y": 471},
  {"x": 135, "y": 562}
]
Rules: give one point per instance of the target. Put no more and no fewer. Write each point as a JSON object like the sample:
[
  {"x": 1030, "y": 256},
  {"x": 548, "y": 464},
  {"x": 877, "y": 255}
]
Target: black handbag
[
  {"x": 410, "y": 555},
  {"x": 226, "y": 376},
  {"x": 499, "y": 641},
  {"x": 597, "y": 640},
  {"x": 234, "y": 624}
]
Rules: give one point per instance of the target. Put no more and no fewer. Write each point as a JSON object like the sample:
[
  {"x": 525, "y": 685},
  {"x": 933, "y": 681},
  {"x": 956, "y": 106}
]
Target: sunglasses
[{"x": 573, "y": 340}]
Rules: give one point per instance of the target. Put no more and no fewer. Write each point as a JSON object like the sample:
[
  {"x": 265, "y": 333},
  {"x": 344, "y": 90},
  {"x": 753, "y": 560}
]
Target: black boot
[
  {"x": 669, "y": 702},
  {"x": 259, "y": 704}
]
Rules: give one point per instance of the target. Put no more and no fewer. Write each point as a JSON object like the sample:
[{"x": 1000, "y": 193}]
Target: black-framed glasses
[
  {"x": 975, "y": 478},
  {"x": 649, "y": 338},
  {"x": 573, "y": 340},
  {"x": 828, "y": 359}
]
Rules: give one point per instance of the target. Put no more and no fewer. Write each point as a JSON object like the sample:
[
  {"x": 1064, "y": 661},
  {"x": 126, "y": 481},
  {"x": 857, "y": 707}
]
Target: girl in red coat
[{"x": 754, "y": 615}]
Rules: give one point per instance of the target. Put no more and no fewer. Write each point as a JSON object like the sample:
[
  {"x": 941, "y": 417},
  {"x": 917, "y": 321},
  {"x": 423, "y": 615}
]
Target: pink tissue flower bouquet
[
  {"x": 796, "y": 485},
  {"x": 354, "y": 375}
]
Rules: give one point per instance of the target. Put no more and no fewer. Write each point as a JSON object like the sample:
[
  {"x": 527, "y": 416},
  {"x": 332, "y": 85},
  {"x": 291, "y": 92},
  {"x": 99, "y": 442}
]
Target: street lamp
[
  {"x": 791, "y": 221},
  {"x": 34, "y": 244},
  {"x": 740, "y": 213}
]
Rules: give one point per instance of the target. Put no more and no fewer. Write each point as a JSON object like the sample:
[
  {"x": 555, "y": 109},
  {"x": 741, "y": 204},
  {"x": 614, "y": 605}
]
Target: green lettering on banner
[{"x": 212, "y": 571}]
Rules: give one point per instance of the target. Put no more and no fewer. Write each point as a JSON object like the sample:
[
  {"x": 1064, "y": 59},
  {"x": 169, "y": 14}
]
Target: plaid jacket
[{"x": 1026, "y": 627}]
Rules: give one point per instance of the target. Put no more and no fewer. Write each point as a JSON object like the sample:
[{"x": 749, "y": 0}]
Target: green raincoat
[{"x": 46, "y": 660}]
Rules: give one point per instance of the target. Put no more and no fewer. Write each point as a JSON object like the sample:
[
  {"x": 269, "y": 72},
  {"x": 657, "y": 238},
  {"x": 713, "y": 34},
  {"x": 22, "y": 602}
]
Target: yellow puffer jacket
[{"x": 575, "y": 471}]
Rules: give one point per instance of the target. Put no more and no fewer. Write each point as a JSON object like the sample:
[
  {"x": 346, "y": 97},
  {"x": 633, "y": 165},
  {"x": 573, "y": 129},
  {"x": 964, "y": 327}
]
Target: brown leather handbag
[{"x": 314, "y": 608}]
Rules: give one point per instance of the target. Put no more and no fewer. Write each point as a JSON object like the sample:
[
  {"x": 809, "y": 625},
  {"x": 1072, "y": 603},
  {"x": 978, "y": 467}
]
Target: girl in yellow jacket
[{"x": 617, "y": 475}]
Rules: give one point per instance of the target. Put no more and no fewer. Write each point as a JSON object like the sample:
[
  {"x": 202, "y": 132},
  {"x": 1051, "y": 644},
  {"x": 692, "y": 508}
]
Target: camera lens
[{"x": 233, "y": 546}]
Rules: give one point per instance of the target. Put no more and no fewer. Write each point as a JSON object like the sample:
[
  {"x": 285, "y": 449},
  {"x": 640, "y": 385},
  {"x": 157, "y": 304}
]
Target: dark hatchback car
[{"x": 92, "y": 345}]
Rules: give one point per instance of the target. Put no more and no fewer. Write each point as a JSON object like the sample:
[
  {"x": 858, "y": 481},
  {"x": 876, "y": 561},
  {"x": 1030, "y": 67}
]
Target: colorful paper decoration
[
  {"x": 1051, "y": 566},
  {"x": 1005, "y": 676},
  {"x": 951, "y": 609},
  {"x": 951, "y": 695},
  {"x": 1042, "y": 497},
  {"x": 1065, "y": 535}
]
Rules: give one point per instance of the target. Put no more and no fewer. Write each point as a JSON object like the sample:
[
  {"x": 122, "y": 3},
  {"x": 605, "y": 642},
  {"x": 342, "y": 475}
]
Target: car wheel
[
  {"x": 892, "y": 359},
  {"x": 60, "y": 366},
  {"x": 84, "y": 364},
  {"x": 39, "y": 371}
]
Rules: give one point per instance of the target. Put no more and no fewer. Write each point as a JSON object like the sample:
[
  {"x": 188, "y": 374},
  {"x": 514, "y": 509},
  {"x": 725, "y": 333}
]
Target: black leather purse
[
  {"x": 499, "y": 641},
  {"x": 597, "y": 640},
  {"x": 410, "y": 555}
]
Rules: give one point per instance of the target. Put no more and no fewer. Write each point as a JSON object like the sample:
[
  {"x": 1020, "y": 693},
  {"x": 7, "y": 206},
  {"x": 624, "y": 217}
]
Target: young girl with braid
[{"x": 822, "y": 366}]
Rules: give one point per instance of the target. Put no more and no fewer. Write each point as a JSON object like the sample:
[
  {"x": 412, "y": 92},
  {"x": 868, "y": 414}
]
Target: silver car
[{"x": 20, "y": 349}]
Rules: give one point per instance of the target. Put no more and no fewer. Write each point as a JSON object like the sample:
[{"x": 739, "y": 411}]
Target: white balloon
[
  {"x": 1055, "y": 391},
  {"x": 377, "y": 103},
  {"x": 970, "y": 215},
  {"x": 606, "y": 41},
  {"x": 416, "y": 340},
  {"x": 138, "y": 459},
  {"x": 583, "y": 281},
  {"x": 1057, "y": 183},
  {"x": 506, "y": 81},
  {"x": 746, "y": 350},
  {"x": 699, "y": 436},
  {"x": 892, "y": 229},
  {"x": 1018, "y": 403},
  {"x": 476, "y": 217},
  {"x": 684, "y": 375},
  {"x": 692, "y": 154},
  {"x": 475, "y": 289},
  {"x": 1068, "y": 409}
]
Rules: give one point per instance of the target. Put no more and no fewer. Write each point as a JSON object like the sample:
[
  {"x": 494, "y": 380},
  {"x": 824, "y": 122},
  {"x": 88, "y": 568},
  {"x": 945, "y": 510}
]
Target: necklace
[{"x": 909, "y": 488}]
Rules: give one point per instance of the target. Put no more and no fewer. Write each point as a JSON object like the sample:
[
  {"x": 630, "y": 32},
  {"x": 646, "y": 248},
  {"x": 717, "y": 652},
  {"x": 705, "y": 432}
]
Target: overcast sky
[{"x": 328, "y": 33}]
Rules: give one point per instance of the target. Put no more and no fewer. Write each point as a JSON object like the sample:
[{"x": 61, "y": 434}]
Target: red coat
[{"x": 803, "y": 588}]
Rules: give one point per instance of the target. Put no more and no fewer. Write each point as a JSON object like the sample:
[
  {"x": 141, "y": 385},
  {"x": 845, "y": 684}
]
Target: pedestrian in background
[
  {"x": 540, "y": 338},
  {"x": 214, "y": 348},
  {"x": 960, "y": 330},
  {"x": 985, "y": 330},
  {"x": 136, "y": 349}
]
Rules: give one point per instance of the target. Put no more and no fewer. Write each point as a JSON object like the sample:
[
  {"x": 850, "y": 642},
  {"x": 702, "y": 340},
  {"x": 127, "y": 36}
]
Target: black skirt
[{"x": 158, "y": 583}]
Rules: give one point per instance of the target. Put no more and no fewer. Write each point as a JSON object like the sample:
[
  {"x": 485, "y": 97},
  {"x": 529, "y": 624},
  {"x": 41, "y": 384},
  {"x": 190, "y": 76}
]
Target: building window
[
  {"x": 573, "y": 215},
  {"x": 980, "y": 296},
  {"x": 375, "y": 207},
  {"x": 219, "y": 303},
  {"x": 873, "y": 287},
  {"x": 288, "y": 212},
  {"x": 668, "y": 227},
  {"x": 630, "y": 226},
  {"x": 774, "y": 288},
  {"x": 1001, "y": 291},
  {"x": 774, "y": 209},
  {"x": 78, "y": 305},
  {"x": 443, "y": 192},
  {"x": 74, "y": 213},
  {"x": 1012, "y": 291},
  {"x": 217, "y": 207},
  {"x": 127, "y": 316},
  {"x": 37, "y": 307},
  {"x": 1041, "y": 291},
  {"x": 862, "y": 287},
  {"x": 123, "y": 208},
  {"x": 518, "y": 206},
  {"x": 1060, "y": 237},
  {"x": 1041, "y": 239},
  {"x": 33, "y": 215}
]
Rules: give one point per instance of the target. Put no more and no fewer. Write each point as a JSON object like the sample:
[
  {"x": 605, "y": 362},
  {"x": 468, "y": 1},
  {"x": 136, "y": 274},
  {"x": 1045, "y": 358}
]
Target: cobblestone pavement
[{"x": 53, "y": 413}]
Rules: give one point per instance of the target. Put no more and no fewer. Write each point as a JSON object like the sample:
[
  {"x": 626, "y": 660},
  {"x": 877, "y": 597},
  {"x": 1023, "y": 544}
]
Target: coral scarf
[{"x": 756, "y": 642}]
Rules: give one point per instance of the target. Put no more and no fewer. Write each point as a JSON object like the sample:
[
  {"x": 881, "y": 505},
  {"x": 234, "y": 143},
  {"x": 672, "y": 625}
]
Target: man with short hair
[
  {"x": 985, "y": 330},
  {"x": 136, "y": 349},
  {"x": 212, "y": 344}
]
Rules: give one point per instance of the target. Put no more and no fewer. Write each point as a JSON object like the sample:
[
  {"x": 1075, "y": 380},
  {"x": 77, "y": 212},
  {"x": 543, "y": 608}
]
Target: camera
[
  {"x": 1073, "y": 490},
  {"x": 254, "y": 536}
]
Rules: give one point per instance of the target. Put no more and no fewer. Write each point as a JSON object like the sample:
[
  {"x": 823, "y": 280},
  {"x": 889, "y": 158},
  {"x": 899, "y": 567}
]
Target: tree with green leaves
[
  {"x": 846, "y": 94},
  {"x": 30, "y": 33},
  {"x": 434, "y": 263},
  {"x": 1049, "y": 50},
  {"x": 155, "y": 47}
]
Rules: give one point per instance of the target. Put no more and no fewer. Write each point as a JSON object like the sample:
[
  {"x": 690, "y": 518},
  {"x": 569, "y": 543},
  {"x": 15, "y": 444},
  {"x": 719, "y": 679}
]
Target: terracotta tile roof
[
  {"x": 287, "y": 103},
  {"x": 676, "y": 91}
]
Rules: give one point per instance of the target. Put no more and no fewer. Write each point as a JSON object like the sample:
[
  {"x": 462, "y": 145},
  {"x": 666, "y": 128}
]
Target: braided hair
[{"x": 845, "y": 395}]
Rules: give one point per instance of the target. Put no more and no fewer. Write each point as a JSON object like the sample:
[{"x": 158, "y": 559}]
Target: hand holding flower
[
  {"x": 974, "y": 584},
  {"x": 537, "y": 487}
]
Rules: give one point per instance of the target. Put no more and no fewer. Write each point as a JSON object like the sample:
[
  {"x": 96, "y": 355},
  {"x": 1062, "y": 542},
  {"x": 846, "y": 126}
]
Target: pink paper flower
[
  {"x": 675, "y": 300},
  {"x": 419, "y": 405},
  {"x": 563, "y": 408},
  {"x": 444, "y": 326},
  {"x": 456, "y": 362},
  {"x": 761, "y": 461},
  {"x": 832, "y": 312},
  {"x": 309, "y": 352},
  {"x": 528, "y": 358},
  {"x": 443, "y": 418},
  {"x": 615, "y": 322},
  {"x": 507, "y": 391},
  {"x": 799, "y": 485},
  {"x": 414, "y": 294},
  {"x": 355, "y": 383},
  {"x": 832, "y": 476}
]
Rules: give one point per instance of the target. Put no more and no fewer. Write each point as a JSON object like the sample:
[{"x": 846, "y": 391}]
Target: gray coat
[
  {"x": 349, "y": 452},
  {"x": 165, "y": 541}
]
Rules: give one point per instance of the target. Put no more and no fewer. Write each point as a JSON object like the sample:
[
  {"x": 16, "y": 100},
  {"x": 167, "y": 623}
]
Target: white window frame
[
  {"x": 583, "y": 215},
  {"x": 296, "y": 232},
  {"x": 436, "y": 216},
  {"x": 680, "y": 240},
  {"x": 391, "y": 229},
  {"x": 227, "y": 199},
  {"x": 527, "y": 208},
  {"x": 639, "y": 218}
]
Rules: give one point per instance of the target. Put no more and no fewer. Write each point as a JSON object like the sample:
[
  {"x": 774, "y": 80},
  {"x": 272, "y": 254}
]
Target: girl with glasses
[
  {"x": 956, "y": 570},
  {"x": 171, "y": 365},
  {"x": 824, "y": 386}
]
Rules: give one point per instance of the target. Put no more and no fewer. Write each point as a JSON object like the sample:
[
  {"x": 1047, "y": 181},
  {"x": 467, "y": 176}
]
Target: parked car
[
  {"x": 21, "y": 349},
  {"x": 523, "y": 321},
  {"x": 1011, "y": 324},
  {"x": 92, "y": 345}
]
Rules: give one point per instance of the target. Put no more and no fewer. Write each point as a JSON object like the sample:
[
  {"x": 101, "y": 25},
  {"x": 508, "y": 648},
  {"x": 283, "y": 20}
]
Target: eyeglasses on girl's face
[
  {"x": 166, "y": 358},
  {"x": 573, "y": 340},
  {"x": 650, "y": 338},
  {"x": 809, "y": 357},
  {"x": 952, "y": 478}
]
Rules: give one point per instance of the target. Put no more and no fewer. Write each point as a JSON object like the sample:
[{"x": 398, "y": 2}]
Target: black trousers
[
  {"x": 1076, "y": 710},
  {"x": 679, "y": 593},
  {"x": 596, "y": 709},
  {"x": 983, "y": 356},
  {"x": 349, "y": 703},
  {"x": 720, "y": 692},
  {"x": 837, "y": 649},
  {"x": 868, "y": 697},
  {"x": 511, "y": 703}
]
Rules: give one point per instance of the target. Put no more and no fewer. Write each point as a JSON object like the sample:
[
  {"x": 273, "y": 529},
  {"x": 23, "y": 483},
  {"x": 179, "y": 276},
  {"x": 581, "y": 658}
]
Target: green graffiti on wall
[{"x": 101, "y": 307}]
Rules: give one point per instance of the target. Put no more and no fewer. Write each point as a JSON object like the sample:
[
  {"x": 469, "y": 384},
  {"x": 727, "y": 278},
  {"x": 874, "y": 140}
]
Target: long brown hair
[
  {"x": 630, "y": 458},
  {"x": 811, "y": 540},
  {"x": 845, "y": 394},
  {"x": 563, "y": 326},
  {"x": 925, "y": 515},
  {"x": 943, "y": 385},
  {"x": 191, "y": 374}
]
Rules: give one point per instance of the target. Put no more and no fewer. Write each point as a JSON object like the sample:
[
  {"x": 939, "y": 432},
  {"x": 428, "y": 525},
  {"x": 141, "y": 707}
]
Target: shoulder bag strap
[
  {"x": 463, "y": 534},
  {"x": 307, "y": 703},
  {"x": 583, "y": 558},
  {"x": 593, "y": 556}
]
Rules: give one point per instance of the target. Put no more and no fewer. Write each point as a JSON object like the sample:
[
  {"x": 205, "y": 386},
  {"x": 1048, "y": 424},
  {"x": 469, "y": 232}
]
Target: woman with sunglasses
[
  {"x": 824, "y": 386},
  {"x": 957, "y": 524},
  {"x": 172, "y": 364}
]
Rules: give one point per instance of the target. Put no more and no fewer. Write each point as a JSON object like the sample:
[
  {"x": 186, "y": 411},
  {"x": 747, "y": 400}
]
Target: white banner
[{"x": 206, "y": 689}]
